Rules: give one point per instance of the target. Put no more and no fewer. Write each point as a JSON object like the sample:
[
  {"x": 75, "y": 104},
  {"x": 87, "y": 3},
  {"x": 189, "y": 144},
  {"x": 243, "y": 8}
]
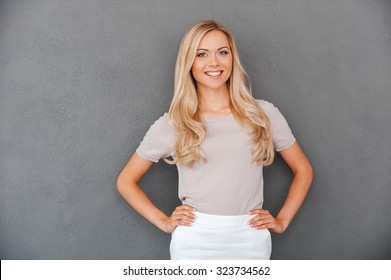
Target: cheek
[
  {"x": 231, "y": 69},
  {"x": 229, "y": 64},
  {"x": 196, "y": 69}
]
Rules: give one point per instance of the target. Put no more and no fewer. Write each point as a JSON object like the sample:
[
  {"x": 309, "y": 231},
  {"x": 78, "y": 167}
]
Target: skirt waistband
[{"x": 222, "y": 220}]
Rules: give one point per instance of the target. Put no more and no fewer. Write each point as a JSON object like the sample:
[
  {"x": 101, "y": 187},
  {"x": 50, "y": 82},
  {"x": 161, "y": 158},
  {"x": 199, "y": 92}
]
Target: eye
[
  {"x": 223, "y": 52},
  {"x": 201, "y": 54}
]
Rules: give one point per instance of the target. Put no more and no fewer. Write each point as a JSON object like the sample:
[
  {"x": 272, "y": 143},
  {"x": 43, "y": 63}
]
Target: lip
[{"x": 214, "y": 77}]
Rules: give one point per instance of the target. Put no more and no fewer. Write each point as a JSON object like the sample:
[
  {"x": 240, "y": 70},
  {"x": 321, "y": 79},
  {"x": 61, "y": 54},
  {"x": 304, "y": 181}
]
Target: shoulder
[
  {"x": 161, "y": 126},
  {"x": 162, "y": 120},
  {"x": 266, "y": 106},
  {"x": 157, "y": 142},
  {"x": 273, "y": 113},
  {"x": 281, "y": 132}
]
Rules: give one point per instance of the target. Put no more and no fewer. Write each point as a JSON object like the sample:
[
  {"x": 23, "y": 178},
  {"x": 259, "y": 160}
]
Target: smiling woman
[
  {"x": 212, "y": 65},
  {"x": 220, "y": 138}
]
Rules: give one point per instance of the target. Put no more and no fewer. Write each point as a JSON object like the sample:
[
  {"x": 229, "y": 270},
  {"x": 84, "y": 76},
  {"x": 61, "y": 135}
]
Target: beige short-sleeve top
[{"x": 228, "y": 183}]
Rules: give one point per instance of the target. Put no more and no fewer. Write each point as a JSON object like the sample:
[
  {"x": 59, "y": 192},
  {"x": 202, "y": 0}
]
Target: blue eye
[
  {"x": 201, "y": 54},
  {"x": 224, "y": 52}
]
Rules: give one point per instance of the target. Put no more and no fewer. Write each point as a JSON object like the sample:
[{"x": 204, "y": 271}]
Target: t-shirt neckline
[{"x": 217, "y": 118}]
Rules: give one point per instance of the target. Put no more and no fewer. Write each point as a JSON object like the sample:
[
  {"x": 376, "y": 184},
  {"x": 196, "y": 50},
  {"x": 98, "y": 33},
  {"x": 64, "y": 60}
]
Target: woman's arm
[
  {"x": 127, "y": 186},
  {"x": 303, "y": 175}
]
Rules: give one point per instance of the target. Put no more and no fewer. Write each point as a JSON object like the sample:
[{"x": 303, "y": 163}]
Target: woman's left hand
[{"x": 265, "y": 220}]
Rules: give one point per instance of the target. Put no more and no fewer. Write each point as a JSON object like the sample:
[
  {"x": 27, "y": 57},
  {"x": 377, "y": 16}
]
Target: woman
[{"x": 220, "y": 138}]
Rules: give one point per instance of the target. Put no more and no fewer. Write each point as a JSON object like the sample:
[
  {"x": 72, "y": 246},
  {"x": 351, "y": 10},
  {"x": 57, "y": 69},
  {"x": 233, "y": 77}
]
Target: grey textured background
[{"x": 82, "y": 81}]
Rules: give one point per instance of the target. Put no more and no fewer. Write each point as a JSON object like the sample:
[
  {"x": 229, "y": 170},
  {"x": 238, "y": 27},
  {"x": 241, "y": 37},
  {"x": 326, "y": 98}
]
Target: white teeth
[{"x": 214, "y": 74}]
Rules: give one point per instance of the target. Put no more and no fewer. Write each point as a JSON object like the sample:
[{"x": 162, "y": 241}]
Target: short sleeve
[
  {"x": 281, "y": 133},
  {"x": 158, "y": 141}
]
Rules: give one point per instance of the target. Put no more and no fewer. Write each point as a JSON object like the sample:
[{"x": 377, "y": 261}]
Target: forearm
[
  {"x": 137, "y": 198},
  {"x": 297, "y": 192}
]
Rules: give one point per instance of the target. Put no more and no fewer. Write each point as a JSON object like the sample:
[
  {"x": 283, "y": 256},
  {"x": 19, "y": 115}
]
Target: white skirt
[{"x": 217, "y": 237}]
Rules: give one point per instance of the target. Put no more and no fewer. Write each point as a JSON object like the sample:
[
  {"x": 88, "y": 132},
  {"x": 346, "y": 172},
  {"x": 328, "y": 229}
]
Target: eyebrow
[{"x": 217, "y": 49}]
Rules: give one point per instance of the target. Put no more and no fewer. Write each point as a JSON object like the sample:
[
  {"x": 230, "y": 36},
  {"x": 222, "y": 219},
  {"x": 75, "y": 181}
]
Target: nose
[{"x": 213, "y": 60}]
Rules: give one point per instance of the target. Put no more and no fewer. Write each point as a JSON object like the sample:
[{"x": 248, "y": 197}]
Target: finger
[
  {"x": 178, "y": 222},
  {"x": 259, "y": 211},
  {"x": 265, "y": 223},
  {"x": 266, "y": 226},
  {"x": 260, "y": 217},
  {"x": 184, "y": 223},
  {"x": 262, "y": 221},
  {"x": 180, "y": 214},
  {"x": 186, "y": 218},
  {"x": 186, "y": 207}
]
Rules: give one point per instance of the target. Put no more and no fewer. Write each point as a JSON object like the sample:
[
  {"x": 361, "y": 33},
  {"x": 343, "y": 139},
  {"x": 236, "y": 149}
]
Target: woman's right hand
[{"x": 182, "y": 216}]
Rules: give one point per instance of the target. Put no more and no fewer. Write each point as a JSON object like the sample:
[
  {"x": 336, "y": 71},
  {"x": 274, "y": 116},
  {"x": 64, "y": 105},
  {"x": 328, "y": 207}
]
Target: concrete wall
[{"x": 82, "y": 81}]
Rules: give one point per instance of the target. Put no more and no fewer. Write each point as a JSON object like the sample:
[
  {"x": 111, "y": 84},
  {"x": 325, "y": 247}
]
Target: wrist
[
  {"x": 284, "y": 223},
  {"x": 162, "y": 223}
]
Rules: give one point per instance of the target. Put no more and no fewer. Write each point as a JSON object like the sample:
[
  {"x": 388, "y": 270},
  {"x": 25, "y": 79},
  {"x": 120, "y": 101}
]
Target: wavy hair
[{"x": 184, "y": 115}]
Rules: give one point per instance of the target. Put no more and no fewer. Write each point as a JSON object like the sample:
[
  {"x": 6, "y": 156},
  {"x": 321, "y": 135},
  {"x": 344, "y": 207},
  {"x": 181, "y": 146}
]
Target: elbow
[
  {"x": 309, "y": 171},
  {"x": 305, "y": 172},
  {"x": 123, "y": 185},
  {"x": 120, "y": 185}
]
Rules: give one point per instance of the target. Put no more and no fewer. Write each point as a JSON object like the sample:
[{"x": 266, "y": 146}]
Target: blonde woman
[{"x": 220, "y": 138}]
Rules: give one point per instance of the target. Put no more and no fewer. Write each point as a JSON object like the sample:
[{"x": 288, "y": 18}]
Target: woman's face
[{"x": 212, "y": 66}]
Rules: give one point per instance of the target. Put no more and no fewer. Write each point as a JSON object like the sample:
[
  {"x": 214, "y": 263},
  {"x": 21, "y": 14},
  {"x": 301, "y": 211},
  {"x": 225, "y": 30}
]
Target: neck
[{"x": 214, "y": 100}]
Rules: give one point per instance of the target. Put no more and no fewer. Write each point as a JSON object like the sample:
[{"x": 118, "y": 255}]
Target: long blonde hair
[{"x": 184, "y": 114}]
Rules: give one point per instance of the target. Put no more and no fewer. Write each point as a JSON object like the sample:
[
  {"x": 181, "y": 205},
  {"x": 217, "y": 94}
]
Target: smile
[{"x": 214, "y": 74}]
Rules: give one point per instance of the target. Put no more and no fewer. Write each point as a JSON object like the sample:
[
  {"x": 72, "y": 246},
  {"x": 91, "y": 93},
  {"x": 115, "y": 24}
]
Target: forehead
[{"x": 213, "y": 39}]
